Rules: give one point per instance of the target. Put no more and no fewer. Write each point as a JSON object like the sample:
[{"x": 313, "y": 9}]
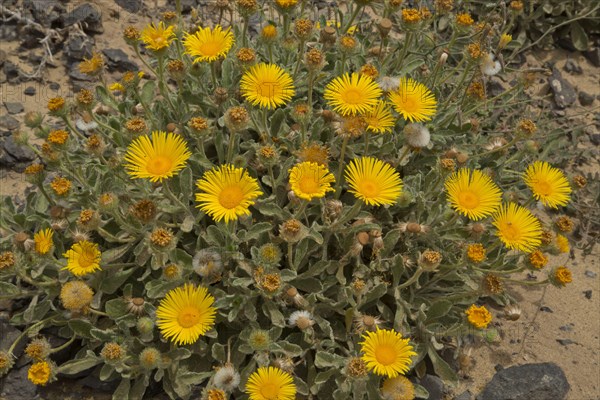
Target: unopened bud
[
  {"x": 171, "y": 127},
  {"x": 384, "y": 26}
]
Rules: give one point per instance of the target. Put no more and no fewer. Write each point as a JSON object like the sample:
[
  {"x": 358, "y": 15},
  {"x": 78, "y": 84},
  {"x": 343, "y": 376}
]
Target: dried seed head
[
  {"x": 246, "y": 55},
  {"x": 6, "y": 362},
  {"x": 369, "y": 70},
  {"x": 136, "y": 125},
  {"x": 76, "y": 296},
  {"x": 358, "y": 285},
  {"x": 144, "y": 210},
  {"x": 416, "y": 135},
  {"x": 303, "y": 28},
  {"x": 356, "y": 368},
  {"x": 580, "y": 181},
  {"x": 7, "y": 260},
  {"x": 333, "y": 210},
  {"x": 135, "y": 305},
  {"x": 208, "y": 264},
  {"x": 314, "y": 59},
  {"x": 512, "y": 312},
  {"x": 284, "y": 363},
  {"x": 171, "y": 127},
  {"x": 292, "y": 231},
  {"x": 270, "y": 283},
  {"x": 327, "y": 35},
  {"x": 85, "y": 97},
  {"x": 301, "y": 319},
  {"x": 38, "y": 349},
  {"x": 216, "y": 394},
  {"x": 492, "y": 284},
  {"x": 384, "y": 26},
  {"x": 565, "y": 224},
  {"x": 226, "y": 378},
  {"x": 461, "y": 157}
]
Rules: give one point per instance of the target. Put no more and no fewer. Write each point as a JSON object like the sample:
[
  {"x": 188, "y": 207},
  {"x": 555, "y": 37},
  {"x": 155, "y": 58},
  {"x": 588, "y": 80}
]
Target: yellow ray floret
[
  {"x": 352, "y": 94},
  {"x": 267, "y": 86},
  {"x": 373, "y": 181},
  {"x": 413, "y": 100},
  {"x": 227, "y": 192},
  {"x": 518, "y": 228},
  {"x": 380, "y": 119},
  {"x": 270, "y": 383},
  {"x": 83, "y": 258},
  {"x": 158, "y": 158},
  {"x": 43, "y": 241},
  {"x": 310, "y": 180},
  {"x": 208, "y": 44},
  {"x": 157, "y": 37},
  {"x": 548, "y": 184},
  {"x": 473, "y": 193},
  {"x": 386, "y": 353},
  {"x": 185, "y": 314}
]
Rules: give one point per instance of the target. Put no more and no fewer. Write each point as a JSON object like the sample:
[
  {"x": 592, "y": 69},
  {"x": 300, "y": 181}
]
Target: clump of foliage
[{"x": 312, "y": 212}]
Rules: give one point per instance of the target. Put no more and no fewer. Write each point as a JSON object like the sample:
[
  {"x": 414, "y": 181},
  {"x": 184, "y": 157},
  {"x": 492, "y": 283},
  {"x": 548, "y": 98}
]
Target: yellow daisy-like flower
[
  {"x": 413, "y": 100},
  {"x": 185, "y": 314},
  {"x": 562, "y": 275},
  {"x": 157, "y": 158},
  {"x": 270, "y": 383},
  {"x": 286, "y": 3},
  {"x": 518, "y": 228},
  {"x": 39, "y": 373},
  {"x": 83, "y": 258},
  {"x": 43, "y": 241},
  {"x": 386, "y": 353},
  {"x": 158, "y": 37},
  {"x": 398, "y": 388},
  {"x": 208, "y": 44},
  {"x": 373, "y": 181},
  {"x": 548, "y": 184},
  {"x": 479, "y": 317},
  {"x": 562, "y": 243},
  {"x": 310, "y": 180},
  {"x": 473, "y": 194},
  {"x": 351, "y": 94},
  {"x": 267, "y": 86},
  {"x": 380, "y": 119},
  {"x": 227, "y": 192}
]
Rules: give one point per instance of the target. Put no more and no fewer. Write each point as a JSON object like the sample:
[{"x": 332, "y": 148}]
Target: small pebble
[
  {"x": 590, "y": 274},
  {"x": 588, "y": 294},
  {"x": 546, "y": 309}
]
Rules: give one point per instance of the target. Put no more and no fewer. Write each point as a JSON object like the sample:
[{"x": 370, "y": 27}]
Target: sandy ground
[{"x": 573, "y": 318}]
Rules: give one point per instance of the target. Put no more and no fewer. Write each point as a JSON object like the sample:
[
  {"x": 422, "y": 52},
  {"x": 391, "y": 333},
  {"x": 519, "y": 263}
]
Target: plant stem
[
  {"x": 231, "y": 145},
  {"x": 338, "y": 186}
]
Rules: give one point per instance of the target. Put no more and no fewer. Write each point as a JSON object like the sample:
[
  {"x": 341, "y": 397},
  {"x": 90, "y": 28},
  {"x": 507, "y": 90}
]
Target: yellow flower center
[
  {"x": 385, "y": 354},
  {"x": 159, "y": 165},
  {"x": 543, "y": 188},
  {"x": 511, "y": 232},
  {"x": 269, "y": 391},
  {"x": 468, "y": 200},
  {"x": 188, "y": 317},
  {"x": 409, "y": 104},
  {"x": 231, "y": 197},
  {"x": 309, "y": 185},
  {"x": 86, "y": 259},
  {"x": 369, "y": 189},
  {"x": 159, "y": 41},
  {"x": 211, "y": 48},
  {"x": 352, "y": 96}
]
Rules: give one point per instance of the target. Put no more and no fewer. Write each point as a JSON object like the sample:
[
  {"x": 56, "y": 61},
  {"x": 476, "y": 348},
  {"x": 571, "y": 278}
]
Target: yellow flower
[
  {"x": 310, "y": 180},
  {"x": 518, "y": 228},
  {"x": 504, "y": 40},
  {"x": 351, "y": 94},
  {"x": 43, "y": 241},
  {"x": 373, "y": 181},
  {"x": 156, "y": 159},
  {"x": 83, "y": 258},
  {"x": 227, "y": 192},
  {"x": 58, "y": 136},
  {"x": 479, "y": 317},
  {"x": 39, "y": 373},
  {"x": 208, "y": 44},
  {"x": 158, "y": 37},
  {"x": 411, "y": 15},
  {"x": 537, "y": 259},
  {"x": 91, "y": 66},
  {"x": 386, "y": 353},
  {"x": 60, "y": 185},
  {"x": 472, "y": 193},
  {"x": 398, "y": 388},
  {"x": 270, "y": 383},
  {"x": 185, "y": 314},
  {"x": 562, "y": 243},
  {"x": 56, "y": 104},
  {"x": 267, "y": 86},
  {"x": 116, "y": 87},
  {"x": 464, "y": 19},
  {"x": 548, "y": 184},
  {"x": 286, "y": 3},
  {"x": 476, "y": 252},
  {"x": 413, "y": 100},
  {"x": 562, "y": 276},
  {"x": 380, "y": 119},
  {"x": 331, "y": 22},
  {"x": 314, "y": 152},
  {"x": 269, "y": 31}
]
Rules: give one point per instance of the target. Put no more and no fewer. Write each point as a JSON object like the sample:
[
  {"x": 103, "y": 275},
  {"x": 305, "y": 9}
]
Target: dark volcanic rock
[
  {"x": 16, "y": 386},
  {"x": 13, "y": 108},
  {"x": 564, "y": 93},
  {"x": 45, "y": 12},
  {"x": 79, "y": 47},
  {"x": 20, "y": 153},
  {"x": 527, "y": 382},
  {"x": 585, "y": 99},
  {"x": 593, "y": 56},
  {"x": 78, "y": 76},
  {"x": 434, "y": 385},
  {"x": 12, "y": 72},
  {"x": 132, "y": 6},
  {"x": 573, "y": 67},
  {"x": 8, "y": 123},
  {"x": 88, "y": 15},
  {"x": 29, "y": 91},
  {"x": 119, "y": 61}
]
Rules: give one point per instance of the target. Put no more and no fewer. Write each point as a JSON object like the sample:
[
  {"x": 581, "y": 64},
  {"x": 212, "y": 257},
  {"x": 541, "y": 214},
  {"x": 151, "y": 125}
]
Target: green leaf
[
  {"x": 104, "y": 336},
  {"x": 275, "y": 122},
  {"x": 115, "y": 308},
  {"x": 579, "y": 37},
  {"x": 115, "y": 253},
  {"x": 271, "y": 310},
  {"x": 328, "y": 360},
  {"x": 105, "y": 97},
  {"x": 8, "y": 289},
  {"x": 188, "y": 223},
  {"x": 122, "y": 391},
  {"x": 258, "y": 229},
  {"x": 81, "y": 327},
  {"x": 148, "y": 91},
  {"x": 420, "y": 392},
  {"x": 113, "y": 281},
  {"x": 438, "y": 309},
  {"x": 138, "y": 389},
  {"x": 441, "y": 367},
  {"x": 37, "y": 312},
  {"x": 186, "y": 184},
  {"x": 75, "y": 366}
]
